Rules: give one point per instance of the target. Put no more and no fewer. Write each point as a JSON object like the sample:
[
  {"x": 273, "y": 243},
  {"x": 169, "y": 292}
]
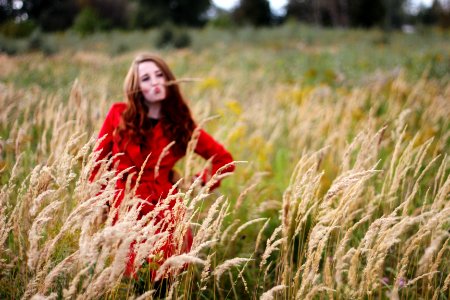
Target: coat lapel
[{"x": 133, "y": 151}]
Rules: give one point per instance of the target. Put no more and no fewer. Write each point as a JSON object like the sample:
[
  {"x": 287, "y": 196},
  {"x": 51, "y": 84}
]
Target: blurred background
[{"x": 21, "y": 19}]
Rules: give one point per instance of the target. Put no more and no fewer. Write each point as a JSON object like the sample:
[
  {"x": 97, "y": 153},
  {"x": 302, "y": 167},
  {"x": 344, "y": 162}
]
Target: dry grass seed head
[
  {"x": 204, "y": 229},
  {"x": 245, "y": 225},
  {"x": 269, "y": 295},
  {"x": 315, "y": 290},
  {"x": 435, "y": 245},
  {"x": 38, "y": 225},
  {"x": 174, "y": 263},
  {"x": 226, "y": 265}
]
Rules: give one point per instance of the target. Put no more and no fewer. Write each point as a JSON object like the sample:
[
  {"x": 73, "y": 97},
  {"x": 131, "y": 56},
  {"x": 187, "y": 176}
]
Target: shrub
[
  {"x": 165, "y": 36},
  {"x": 8, "y": 46},
  {"x": 171, "y": 36},
  {"x": 88, "y": 21},
  {"x": 223, "y": 20},
  {"x": 17, "y": 30},
  {"x": 119, "y": 48},
  {"x": 182, "y": 40},
  {"x": 38, "y": 42}
]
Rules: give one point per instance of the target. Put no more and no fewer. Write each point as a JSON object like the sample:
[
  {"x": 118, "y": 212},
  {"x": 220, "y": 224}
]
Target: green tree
[
  {"x": 116, "y": 13},
  {"x": 356, "y": 13},
  {"x": 88, "y": 21},
  {"x": 366, "y": 13},
  {"x": 6, "y": 11},
  {"x": 325, "y": 12},
  {"x": 52, "y": 15},
  {"x": 436, "y": 14},
  {"x": 395, "y": 15},
  {"x": 254, "y": 12},
  {"x": 180, "y": 12},
  {"x": 300, "y": 10}
]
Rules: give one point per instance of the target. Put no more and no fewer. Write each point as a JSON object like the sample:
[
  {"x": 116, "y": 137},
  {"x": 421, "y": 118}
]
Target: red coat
[
  {"x": 150, "y": 187},
  {"x": 133, "y": 155}
]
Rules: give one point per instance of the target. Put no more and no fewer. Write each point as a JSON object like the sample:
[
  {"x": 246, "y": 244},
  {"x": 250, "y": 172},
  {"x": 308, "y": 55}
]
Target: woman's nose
[{"x": 156, "y": 81}]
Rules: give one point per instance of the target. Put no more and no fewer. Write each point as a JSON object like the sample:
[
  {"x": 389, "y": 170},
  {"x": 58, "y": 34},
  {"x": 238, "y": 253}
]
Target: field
[{"x": 341, "y": 190}]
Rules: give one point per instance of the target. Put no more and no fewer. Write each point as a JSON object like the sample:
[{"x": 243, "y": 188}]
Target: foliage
[
  {"x": 222, "y": 20},
  {"x": 356, "y": 13},
  {"x": 88, "y": 21},
  {"x": 366, "y": 13},
  {"x": 300, "y": 10},
  {"x": 117, "y": 13},
  {"x": 39, "y": 42},
  {"x": 17, "y": 30},
  {"x": 172, "y": 36},
  {"x": 253, "y": 12},
  {"x": 58, "y": 15},
  {"x": 51, "y": 15},
  {"x": 435, "y": 14},
  {"x": 179, "y": 12},
  {"x": 182, "y": 40},
  {"x": 8, "y": 46}
]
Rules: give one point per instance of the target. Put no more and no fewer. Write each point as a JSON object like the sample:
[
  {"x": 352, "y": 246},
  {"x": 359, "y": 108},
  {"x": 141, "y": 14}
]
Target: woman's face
[{"x": 152, "y": 82}]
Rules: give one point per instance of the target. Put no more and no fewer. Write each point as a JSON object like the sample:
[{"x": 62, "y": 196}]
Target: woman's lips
[{"x": 157, "y": 90}]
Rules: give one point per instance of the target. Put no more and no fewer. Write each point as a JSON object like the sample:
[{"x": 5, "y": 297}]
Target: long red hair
[{"x": 176, "y": 116}]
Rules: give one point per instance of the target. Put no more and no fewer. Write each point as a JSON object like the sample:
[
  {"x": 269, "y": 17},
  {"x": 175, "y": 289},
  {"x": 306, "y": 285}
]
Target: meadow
[{"x": 341, "y": 190}]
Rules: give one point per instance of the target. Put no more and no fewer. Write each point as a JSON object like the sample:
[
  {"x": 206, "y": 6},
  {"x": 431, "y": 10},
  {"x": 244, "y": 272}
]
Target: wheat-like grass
[
  {"x": 226, "y": 265},
  {"x": 164, "y": 152},
  {"x": 245, "y": 225},
  {"x": 315, "y": 290},
  {"x": 260, "y": 234},
  {"x": 37, "y": 227},
  {"x": 269, "y": 295},
  {"x": 271, "y": 245},
  {"x": 148, "y": 295},
  {"x": 316, "y": 245},
  {"x": 64, "y": 265},
  {"x": 228, "y": 229},
  {"x": 52, "y": 296},
  {"x": 427, "y": 257},
  {"x": 175, "y": 263},
  {"x": 438, "y": 260},
  {"x": 206, "y": 272}
]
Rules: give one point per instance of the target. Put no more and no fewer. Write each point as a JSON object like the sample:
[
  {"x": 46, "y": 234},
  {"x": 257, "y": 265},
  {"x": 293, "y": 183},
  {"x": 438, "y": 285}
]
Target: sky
[{"x": 278, "y": 5}]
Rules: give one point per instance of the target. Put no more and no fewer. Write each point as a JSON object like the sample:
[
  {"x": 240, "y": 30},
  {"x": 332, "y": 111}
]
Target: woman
[{"x": 144, "y": 129}]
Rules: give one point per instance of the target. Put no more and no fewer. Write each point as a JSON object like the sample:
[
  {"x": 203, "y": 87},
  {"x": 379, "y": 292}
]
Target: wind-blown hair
[{"x": 176, "y": 117}]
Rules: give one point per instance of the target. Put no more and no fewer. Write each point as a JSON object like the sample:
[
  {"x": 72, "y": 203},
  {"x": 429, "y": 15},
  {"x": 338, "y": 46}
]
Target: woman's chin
[{"x": 154, "y": 101}]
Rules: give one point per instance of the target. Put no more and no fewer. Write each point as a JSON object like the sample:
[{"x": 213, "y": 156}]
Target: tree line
[{"x": 93, "y": 15}]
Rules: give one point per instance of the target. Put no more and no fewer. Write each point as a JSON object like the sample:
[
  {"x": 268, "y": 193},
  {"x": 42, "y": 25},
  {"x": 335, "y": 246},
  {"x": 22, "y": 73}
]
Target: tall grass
[{"x": 344, "y": 192}]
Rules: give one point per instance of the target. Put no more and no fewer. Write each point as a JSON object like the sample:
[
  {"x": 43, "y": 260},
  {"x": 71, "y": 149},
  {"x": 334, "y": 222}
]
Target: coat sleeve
[
  {"x": 106, "y": 143},
  {"x": 208, "y": 148}
]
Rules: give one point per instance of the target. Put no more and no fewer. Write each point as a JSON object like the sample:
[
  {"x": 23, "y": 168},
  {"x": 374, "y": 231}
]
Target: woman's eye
[
  {"x": 144, "y": 78},
  {"x": 159, "y": 75}
]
